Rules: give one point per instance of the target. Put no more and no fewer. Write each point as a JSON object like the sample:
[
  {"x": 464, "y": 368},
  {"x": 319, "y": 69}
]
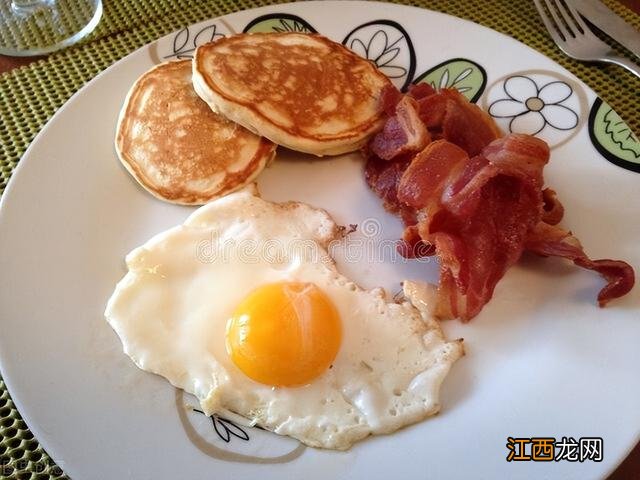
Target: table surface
[{"x": 630, "y": 468}]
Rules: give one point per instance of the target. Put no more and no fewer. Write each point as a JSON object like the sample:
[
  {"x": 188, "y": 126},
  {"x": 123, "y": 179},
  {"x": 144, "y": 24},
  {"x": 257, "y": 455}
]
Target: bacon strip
[
  {"x": 389, "y": 98},
  {"x": 383, "y": 177},
  {"x": 449, "y": 115},
  {"x": 423, "y": 114},
  {"x": 403, "y": 133},
  {"x": 476, "y": 212},
  {"x": 553, "y": 209},
  {"x": 420, "y": 91},
  {"x": 475, "y": 199},
  {"x": 551, "y": 241}
]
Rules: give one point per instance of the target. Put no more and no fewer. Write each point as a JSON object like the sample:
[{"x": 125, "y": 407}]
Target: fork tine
[
  {"x": 578, "y": 18},
  {"x": 567, "y": 33},
  {"x": 567, "y": 17},
  {"x": 548, "y": 23}
]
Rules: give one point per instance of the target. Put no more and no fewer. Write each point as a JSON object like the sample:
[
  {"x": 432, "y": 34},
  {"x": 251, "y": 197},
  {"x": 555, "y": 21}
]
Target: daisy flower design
[{"x": 531, "y": 108}]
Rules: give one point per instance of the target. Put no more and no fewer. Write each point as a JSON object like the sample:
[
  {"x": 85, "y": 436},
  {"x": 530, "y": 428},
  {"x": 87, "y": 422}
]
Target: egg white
[{"x": 171, "y": 308}]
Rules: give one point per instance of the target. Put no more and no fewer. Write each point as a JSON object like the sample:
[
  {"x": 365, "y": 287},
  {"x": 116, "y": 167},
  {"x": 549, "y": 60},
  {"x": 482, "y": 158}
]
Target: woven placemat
[{"x": 30, "y": 95}]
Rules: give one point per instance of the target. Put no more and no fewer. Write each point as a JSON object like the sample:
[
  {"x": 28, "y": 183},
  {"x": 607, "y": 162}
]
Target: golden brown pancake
[
  {"x": 302, "y": 91},
  {"x": 177, "y": 148}
]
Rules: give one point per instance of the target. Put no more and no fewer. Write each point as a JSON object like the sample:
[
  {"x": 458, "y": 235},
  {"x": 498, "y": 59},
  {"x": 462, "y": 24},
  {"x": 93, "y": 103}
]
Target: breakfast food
[
  {"x": 415, "y": 119},
  {"x": 278, "y": 335},
  {"x": 177, "y": 148},
  {"x": 243, "y": 306},
  {"x": 302, "y": 91},
  {"x": 472, "y": 197}
]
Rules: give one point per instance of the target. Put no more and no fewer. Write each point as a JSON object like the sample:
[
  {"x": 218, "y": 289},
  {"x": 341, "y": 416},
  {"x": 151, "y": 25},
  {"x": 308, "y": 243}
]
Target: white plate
[{"x": 542, "y": 359}]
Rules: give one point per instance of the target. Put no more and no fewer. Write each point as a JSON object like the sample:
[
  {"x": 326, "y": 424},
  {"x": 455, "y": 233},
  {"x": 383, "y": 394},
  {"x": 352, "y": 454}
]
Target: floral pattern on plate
[
  {"x": 613, "y": 138},
  {"x": 279, "y": 23},
  {"x": 226, "y": 429},
  {"x": 388, "y": 45},
  {"x": 183, "y": 43},
  {"x": 536, "y": 103},
  {"x": 225, "y": 439},
  {"x": 466, "y": 76}
]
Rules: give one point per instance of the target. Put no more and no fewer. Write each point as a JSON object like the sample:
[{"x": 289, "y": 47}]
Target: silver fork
[{"x": 574, "y": 37}]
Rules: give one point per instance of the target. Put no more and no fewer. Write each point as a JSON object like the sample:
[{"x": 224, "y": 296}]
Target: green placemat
[{"x": 30, "y": 95}]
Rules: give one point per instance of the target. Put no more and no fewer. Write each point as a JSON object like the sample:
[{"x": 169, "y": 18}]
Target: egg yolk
[{"x": 284, "y": 334}]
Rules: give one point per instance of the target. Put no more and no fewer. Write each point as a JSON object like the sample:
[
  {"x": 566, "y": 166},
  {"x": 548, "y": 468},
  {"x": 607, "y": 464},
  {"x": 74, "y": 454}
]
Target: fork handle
[{"x": 623, "y": 62}]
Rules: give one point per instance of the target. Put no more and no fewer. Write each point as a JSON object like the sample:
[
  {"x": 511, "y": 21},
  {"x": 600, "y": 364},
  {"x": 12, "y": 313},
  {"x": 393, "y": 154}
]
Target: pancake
[
  {"x": 177, "y": 148},
  {"x": 301, "y": 91}
]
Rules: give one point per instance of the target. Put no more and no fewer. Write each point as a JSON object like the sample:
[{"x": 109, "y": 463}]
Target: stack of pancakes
[{"x": 193, "y": 131}]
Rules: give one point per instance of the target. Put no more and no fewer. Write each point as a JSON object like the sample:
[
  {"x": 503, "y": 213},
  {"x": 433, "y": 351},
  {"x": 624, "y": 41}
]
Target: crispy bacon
[
  {"x": 423, "y": 114},
  {"x": 475, "y": 199},
  {"x": 423, "y": 182},
  {"x": 420, "y": 90},
  {"x": 476, "y": 212},
  {"x": 382, "y": 177},
  {"x": 552, "y": 241},
  {"x": 553, "y": 209},
  {"x": 403, "y": 133},
  {"x": 449, "y": 115},
  {"x": 389, "y": 98},
  {"x": 412, "y": 245},
  {"x": 466, "y": 125}
]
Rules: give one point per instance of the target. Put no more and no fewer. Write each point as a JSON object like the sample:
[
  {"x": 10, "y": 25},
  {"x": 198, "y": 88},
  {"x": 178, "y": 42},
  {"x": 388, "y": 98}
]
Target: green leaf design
[
  {"x": 279, "y": 22},
  {"x": 612, "y": 137},
  {"x": 466, "y": 76}
]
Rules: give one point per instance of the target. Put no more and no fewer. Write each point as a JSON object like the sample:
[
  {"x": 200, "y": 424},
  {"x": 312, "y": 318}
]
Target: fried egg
[{"x": 243, "y": 307}]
